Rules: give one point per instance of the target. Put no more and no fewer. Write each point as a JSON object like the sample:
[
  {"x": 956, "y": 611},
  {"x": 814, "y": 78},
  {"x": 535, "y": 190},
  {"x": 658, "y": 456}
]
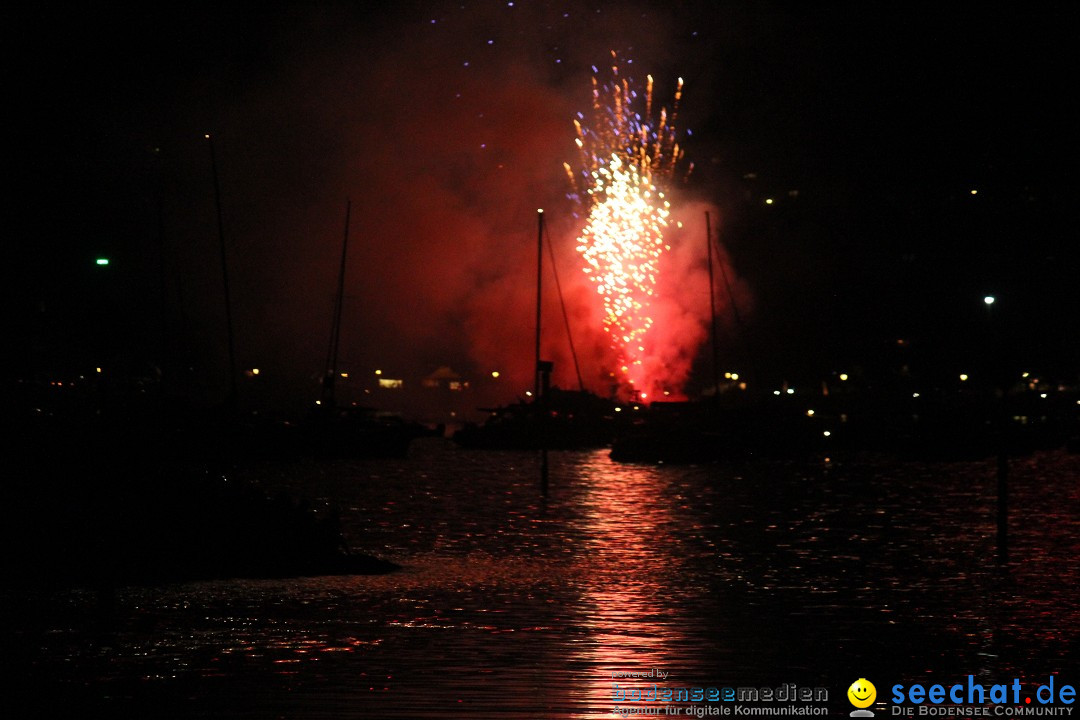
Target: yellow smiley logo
[{"x": 862, "y": 693}]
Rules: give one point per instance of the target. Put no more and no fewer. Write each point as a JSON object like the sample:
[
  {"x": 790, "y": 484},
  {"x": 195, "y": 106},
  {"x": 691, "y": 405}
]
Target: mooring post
[
  {"x": 1002, "y": 506},
  {"x": 543, "y": 371}
]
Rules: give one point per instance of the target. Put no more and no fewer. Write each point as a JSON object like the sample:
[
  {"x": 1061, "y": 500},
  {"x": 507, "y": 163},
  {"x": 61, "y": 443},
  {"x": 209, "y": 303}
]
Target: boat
[
  {"x": 554, "y": 418},
  {"x": 356, "y": 431},
  {"x": 570, "y": 420},
  {"x": 703, "y": 431},
  {"x": 334, "y": 430}
]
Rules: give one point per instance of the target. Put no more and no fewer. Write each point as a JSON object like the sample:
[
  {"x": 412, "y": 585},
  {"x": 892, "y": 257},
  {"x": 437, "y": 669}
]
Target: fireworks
[{"x": 627, "y": 162}]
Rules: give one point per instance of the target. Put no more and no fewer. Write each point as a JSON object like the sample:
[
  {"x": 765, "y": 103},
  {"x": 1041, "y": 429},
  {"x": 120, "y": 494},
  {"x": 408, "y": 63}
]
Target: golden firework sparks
[{"x": 626, "y": 163}]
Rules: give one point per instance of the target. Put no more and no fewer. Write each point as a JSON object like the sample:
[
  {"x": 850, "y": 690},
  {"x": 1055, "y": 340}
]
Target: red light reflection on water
[{"x": 634, "y": 558}]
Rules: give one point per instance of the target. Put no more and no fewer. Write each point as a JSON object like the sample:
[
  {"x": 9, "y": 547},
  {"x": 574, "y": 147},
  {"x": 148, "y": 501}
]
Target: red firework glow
[{"x": 627, "y": 162}]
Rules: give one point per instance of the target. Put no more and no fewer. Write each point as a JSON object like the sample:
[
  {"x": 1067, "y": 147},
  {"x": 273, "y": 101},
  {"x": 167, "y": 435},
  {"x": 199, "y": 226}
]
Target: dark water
[{"x": 510, "y": 606}]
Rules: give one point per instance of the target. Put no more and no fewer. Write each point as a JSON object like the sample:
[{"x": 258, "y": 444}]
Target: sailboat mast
[
  {"x": 335, "y": 329},
  {"x": 539, "y": 284},
  {"x": 712, "y": 315},
  {"x": 542, "y": 372},
  {"x": 233, "y": 388}
]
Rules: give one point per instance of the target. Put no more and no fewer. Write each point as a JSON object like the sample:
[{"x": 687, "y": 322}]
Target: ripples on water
[{"x": 511, "y": 606}]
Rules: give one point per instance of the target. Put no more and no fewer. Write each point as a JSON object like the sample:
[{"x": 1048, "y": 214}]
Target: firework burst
[{"x": 627, "y": 162}]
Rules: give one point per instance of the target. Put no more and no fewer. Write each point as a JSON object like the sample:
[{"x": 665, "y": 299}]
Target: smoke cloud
[{"x": 446, "y": 129}]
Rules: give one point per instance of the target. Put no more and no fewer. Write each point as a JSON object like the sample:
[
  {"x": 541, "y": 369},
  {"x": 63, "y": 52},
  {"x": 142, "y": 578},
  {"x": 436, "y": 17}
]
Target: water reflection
[
  {"x": 757, "y": 575},
  {"x": 634, "y": 560}
]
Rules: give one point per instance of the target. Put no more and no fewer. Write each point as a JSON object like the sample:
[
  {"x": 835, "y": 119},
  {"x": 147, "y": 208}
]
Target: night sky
[{"x": 446, "y": 125}]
